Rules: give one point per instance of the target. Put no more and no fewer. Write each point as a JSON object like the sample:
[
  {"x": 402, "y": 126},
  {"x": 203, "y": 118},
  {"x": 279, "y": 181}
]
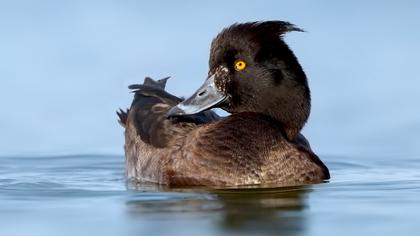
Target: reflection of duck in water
[
  {"x": 256, "y": 77},
  {"x": 250, "y": 211},
  {"x": 265, "y": 210}
]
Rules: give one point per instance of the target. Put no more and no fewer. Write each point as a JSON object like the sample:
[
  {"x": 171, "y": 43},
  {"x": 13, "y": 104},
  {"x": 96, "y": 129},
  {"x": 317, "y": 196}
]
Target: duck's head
[{"x": 253, "y": 70}]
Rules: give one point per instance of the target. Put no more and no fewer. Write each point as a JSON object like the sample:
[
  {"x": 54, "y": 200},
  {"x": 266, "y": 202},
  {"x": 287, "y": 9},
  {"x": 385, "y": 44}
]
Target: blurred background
[
  {"x": 64, "y": 71},
  {"x": 65, "y": 67}
]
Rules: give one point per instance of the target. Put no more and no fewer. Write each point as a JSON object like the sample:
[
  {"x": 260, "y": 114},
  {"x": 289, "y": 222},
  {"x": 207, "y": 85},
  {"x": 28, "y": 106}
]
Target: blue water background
[{"x": 64, "y": 70}]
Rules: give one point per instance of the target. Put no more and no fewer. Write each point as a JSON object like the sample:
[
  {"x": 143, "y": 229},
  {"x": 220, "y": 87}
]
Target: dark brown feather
[
  {"x": 122, "y": 117},
  {"x": 242, "y": 149},
  {"x": 148, "y": 109}
]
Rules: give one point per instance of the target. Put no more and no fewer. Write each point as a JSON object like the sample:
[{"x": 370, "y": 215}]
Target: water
[
  {"x": 87, "y": 194},
  {"x": 64, "y": 70}
]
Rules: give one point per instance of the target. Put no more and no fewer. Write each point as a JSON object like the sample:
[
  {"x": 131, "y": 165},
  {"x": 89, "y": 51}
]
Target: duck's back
[{"x": 242, "y": 149}]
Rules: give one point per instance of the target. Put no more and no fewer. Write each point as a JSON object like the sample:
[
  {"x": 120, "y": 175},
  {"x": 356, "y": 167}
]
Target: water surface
[
  {"x": 65, "y": 67},
  {"x": 87, "y": 194}
]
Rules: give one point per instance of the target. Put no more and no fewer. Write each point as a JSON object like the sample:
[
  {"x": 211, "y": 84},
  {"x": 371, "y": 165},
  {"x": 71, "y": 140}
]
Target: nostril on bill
[{"x": 202, "y": 93}]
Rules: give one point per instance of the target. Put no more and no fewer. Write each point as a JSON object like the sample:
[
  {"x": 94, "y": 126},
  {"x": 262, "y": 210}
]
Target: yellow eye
[{"x": 240, "y": 65}]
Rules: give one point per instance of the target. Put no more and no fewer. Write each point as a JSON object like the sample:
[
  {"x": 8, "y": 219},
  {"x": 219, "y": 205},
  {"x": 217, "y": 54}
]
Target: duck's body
[{"x": 196, "y": 147}]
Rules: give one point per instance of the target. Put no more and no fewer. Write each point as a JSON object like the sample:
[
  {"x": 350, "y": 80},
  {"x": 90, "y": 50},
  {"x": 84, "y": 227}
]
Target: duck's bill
[{"x": 206, "y": 97}]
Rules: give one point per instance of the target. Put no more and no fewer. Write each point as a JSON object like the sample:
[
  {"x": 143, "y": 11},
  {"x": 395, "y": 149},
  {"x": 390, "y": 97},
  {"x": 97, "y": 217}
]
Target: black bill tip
[{"x": 175, "y": 111}]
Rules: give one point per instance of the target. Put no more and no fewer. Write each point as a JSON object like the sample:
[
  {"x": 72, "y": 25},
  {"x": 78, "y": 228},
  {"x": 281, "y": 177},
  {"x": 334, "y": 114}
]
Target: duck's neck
[
  {"x": 289, "y": 113},
  {"x": 290, "y": 104},
  {"x": 293, "y": 103},
  {"x": 291, "y": 116},
  {"x": 293, "y": 98}
]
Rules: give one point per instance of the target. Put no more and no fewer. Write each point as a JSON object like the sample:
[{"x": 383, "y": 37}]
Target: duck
[{"x": 255, "y": 77}]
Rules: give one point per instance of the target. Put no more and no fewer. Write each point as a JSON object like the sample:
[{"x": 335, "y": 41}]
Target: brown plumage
[{"x": 174, "y": 142}]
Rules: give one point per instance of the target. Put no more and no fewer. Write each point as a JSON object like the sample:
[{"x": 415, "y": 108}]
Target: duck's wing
[{"x": 147, "y": 114}]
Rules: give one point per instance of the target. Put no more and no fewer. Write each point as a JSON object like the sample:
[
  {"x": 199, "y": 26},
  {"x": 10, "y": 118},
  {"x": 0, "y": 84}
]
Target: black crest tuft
[
  {"x": 262, "y": 30},
  {"x": 274, "y": 28},
  {"x": 279, "y": 27}
]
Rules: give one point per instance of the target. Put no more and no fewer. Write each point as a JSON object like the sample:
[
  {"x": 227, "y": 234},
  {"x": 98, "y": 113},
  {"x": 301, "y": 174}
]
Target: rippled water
[
  {"x": 87, "y": 194},
  {"x": 65, "y": 67}
]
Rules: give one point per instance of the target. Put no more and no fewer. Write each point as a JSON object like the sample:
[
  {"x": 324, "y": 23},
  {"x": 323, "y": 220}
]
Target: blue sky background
[{"x": 65, "y": 67}]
